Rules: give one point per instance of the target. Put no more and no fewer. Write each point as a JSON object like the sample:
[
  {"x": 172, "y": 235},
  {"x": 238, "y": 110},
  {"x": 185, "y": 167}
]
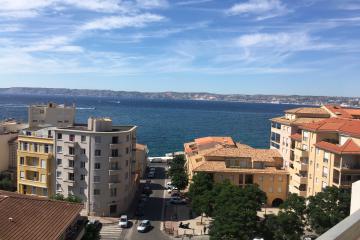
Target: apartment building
[
  {"x": 35, "y": 162},
  {"x": 327, "y": 153},
  {"x": 142, "y": 152},
  {"x": 97, "y": 162},
  {"x": 283, "y": 127},
  {"x": 240, "y": 164},
  {"x": 51, "y": 114},
  {"x": 9, "y": 130}
]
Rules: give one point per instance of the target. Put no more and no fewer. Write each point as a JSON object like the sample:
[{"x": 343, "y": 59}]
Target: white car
[
  {"x": 123, "y": 222},
  {"x": 144, "y": 226},
  {"x": 168, "y": 184},
  {"x": 172, "y": 188}
]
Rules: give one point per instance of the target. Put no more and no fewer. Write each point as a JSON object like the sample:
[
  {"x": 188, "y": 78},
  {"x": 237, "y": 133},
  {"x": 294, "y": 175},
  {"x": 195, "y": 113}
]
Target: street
[{"x": 153, "y": 209}]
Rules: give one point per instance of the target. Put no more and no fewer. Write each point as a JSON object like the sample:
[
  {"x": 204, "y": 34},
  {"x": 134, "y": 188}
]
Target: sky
[{"x": 306, "y": 47}]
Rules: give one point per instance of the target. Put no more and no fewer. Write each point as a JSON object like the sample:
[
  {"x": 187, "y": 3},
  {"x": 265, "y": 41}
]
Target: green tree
[
  {"x": 200, "y": 192},
  {"x": 328, "y": 208},
  {"x": 235, "y": 211},
  {"x": 91, "y": 232},
  {"x": 71, "y": 198},
  {"x": 6, "y": 184},
  {"x": 180, "y": 180},
  {"x": 58, "y": 196}
]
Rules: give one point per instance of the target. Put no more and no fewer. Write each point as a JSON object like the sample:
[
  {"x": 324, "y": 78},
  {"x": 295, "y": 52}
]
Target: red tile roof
[
  {"x": 296, "y": 137},
  {"x": 201, "y": 144},
  {"x": 343, "y": 112},
  {"x": 34, "y": 218},
  {"x": 346, "y": 126},
  {"x": 349, "y": 147}
]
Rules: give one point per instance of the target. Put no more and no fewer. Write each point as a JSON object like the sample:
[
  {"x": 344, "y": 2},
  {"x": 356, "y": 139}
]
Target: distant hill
[{"x": 290, "y": 99}]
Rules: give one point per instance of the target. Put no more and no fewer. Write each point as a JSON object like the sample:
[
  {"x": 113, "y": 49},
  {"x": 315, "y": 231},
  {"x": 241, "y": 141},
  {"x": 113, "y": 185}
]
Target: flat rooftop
[{"x": 84, "y": 127}]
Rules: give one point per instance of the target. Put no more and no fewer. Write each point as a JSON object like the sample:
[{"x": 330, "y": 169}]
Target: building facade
[
  {"x": 142, "y": 152},
  {"x": 35, "y": 157},
  {"x": 51, "y": 114},
  {"x": 240, "y": 164},
  {"x": 97, "y": 162},
  {"x": 9, "y": 130},
  {"x": 283, "y": 127}
]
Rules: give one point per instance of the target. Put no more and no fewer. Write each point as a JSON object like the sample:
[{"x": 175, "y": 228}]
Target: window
[
  {"x": 58, "y": 187},
  {"x": 22, "y": 161},
  {"x": 325, "y": 172},
  {"x": 59, "y": 149},
  {"x": 43, "y": 178},
  {"x": 97, "y": 139},
  {"x": 317, "y": 150},
  {"x": 127, "y": 150},
  {"x": 43, "y": 163},
  {"x": 33, "y": 190},
  {"x": 59, "y": 161},
  {"x": 83, "y": 151},
  {"x": 71, "y": 176},
  {"x": 114, "y": 166},
  {"x": 22, "y": 174},
  {"x": 97, "y": 152},
  {"x": 113, "y": 192},
  {"x": 96, "y": 179},
  {"x": 306, "y": 135},
  {"x": 96, "y": 191},
  {"x": 279, "y": 189},
  {"x": 35, "y": 147},
  {"x": 326, "y": 157},
  {"x": 83, "y": 138},
  {"x": 249, "y": 179},
  {"x": 58, "y": 174},
  {"x": 71, "y": 137},
  {"x": 70, "y": 190},
  {"x": 97, "y": 165},
  {"x": 317, "y": 165},
  {"x": 59, "y": 136},
  {"x": 46, "y": 148},
  {"x": 82, "y": 177},
  {"x": 127, "y": 163},
  {"x": 71, "y": 151},
  {"x": 82, "y": 164},
  {"x": 324, "y": 185},
  {"x": 305, "y": 147},
  {"x": 71, "y": 163},
  {"x": 127, "y": 138},
  {"x": 114, "y": 153},
  {"x": 126, "y": 175},
  {"x": 280, "y": 178},
  {"x": 115, "y": 140},
  {"x": 82, "y": 191}
]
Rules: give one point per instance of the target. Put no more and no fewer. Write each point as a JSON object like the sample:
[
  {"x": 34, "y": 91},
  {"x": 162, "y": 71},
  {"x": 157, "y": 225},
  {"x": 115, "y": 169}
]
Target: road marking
[{"x": 110, "y": 232}]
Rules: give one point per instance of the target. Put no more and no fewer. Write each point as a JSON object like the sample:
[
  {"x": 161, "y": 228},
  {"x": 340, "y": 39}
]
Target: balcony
[
  {"x": 301, "y": 179},
  {"x": 115, "y": 159},
  {"x": 301, "y": 166},
  {"x": 114, "y": 171},
  {"x": 115, "y": 145},
  {"x": 300, "y": 153},
  {"x": 296, "y": 190}
]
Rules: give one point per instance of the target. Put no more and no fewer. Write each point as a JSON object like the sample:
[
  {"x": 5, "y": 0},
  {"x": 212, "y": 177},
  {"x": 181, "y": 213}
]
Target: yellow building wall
[
  {"x": 28, "y": 170},
  {"x": 274, "y": 185}
]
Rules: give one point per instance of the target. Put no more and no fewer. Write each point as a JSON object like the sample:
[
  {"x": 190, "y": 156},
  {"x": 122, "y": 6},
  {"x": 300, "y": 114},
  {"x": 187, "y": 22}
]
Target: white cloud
[
  {"x": 117, "y": 22},
  {"x": 98, "y": 5},
  {"x": 152, "y": 3},
  {"x": 192, "y": 2},
  {"x": 261, "y": 8}
]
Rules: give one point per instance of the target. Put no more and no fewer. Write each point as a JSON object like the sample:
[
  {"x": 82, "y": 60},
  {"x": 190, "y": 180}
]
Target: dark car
[{"x": 96, "y": 223}]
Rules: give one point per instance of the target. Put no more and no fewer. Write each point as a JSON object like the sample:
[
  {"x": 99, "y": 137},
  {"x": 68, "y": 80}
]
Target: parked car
[
  {"x": 151, "y": 175},
  {"x": 168, "y": 184},
  {"x": 144, "y": 198},
  {"x": 152, "y": 169},
  {"x": 123, "y": 222},
  {"x": 147, "y": 190},
  {"x": 175, "y": 194},
  {"x": 310, "y": 237},
  {"x": 144, "y": 226},
  {"x": 172, "y": 188},
  {"x": 155, "y": 160},
  {"x": 177, "y": 200}
]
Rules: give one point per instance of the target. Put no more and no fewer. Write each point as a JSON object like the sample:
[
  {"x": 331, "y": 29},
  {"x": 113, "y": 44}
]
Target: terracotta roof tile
[
  {"x": 308, "y": 110},
  {"x": 349, "y": 147},
  {"x": 346, "y": 126},
  {"x": 341, "y": 112},
  {"x": 34, "y": 218},
  {"x": 296, "y": 137}
]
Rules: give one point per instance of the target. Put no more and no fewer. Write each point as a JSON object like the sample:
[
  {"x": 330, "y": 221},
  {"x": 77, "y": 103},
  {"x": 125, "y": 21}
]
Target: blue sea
[{"x": 165, "y": 125}]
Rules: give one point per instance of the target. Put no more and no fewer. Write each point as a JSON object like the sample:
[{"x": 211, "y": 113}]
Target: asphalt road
[{"x": 153, "y": 209}]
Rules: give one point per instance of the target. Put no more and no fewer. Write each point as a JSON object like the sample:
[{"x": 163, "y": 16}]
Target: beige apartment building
[
  {"x": 51, "y": 114},
  {"x": 9, "y": 130},
  {"x": 142, "y": 152},
  {"x": 97, "y": 162},
  {"x": 283, "y": 127},
  {"x": 240, "y": 164},
  {"x": 289, "y": 137},
  {"x": 329, "y": 153}
]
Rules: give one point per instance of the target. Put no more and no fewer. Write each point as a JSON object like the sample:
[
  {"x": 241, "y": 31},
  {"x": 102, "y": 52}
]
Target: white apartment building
[
  {"x": 97, "y": 162},
  {"x": 9, "y": 130},
  {"x": 51, "y": 114}
]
